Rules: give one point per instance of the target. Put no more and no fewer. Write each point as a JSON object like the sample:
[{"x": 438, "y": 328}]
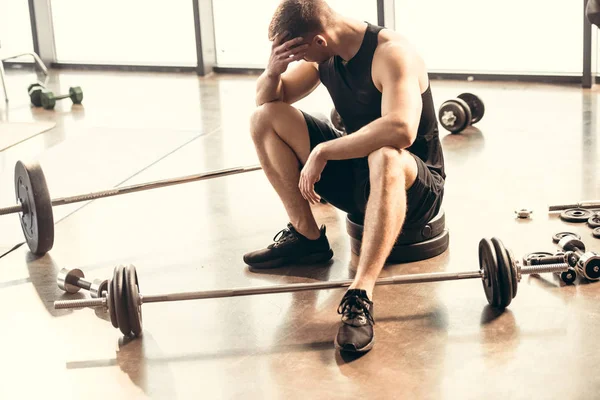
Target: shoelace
[
  {"x": 353, "y": 306},
  {"x": 283, "y": 236}
]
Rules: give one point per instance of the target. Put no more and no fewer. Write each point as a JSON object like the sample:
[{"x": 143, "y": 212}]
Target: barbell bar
[
  {"x": 35, "y": 205},
  {"x": 499, "y": 271}
]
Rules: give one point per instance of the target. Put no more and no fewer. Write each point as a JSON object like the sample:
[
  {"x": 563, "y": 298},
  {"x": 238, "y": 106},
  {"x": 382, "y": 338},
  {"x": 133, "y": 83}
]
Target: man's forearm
[
  {"x": 268, "y": 88},
  {"x": 379, "y": 133}
]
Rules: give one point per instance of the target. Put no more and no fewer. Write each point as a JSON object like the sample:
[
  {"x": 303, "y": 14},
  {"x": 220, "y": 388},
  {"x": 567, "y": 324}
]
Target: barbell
[
  {"x": 35, "y": 205},
  {"x": 499, "y": 271}
]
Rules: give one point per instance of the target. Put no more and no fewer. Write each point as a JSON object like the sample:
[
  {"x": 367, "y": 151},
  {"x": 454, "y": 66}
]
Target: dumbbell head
[
  {"x": 475, "y": 105},
  {"x": 76, "y": 94},
  {"x": 97, "y": 287},
  {"x": 571, "y": 243},
  {"x": 48, "y": 99},
  {"x": 34, "y": 90},
  {"x": 123, "y": 301},
  {"x": 66, "y": 279},
  {"x": 455, "y": 115},
  {"x": 589, "y": 262}
]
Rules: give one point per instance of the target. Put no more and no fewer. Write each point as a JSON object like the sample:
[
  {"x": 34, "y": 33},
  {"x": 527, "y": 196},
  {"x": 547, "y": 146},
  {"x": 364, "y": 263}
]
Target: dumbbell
[
  {"x": 587, "y": 264},
  {"x": 72, "y": 280},
  {"x": 457, "y": 114},
  {"x": 498, "y": 270},
  {"x": 34, "y": 91},
  {"x": 545, "y": 258},
  {"x": 49, "y": 99}
]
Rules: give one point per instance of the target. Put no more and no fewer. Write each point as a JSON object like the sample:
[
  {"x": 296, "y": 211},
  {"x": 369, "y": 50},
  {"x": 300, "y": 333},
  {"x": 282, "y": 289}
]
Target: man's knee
[{"x": 262, "y": 118}]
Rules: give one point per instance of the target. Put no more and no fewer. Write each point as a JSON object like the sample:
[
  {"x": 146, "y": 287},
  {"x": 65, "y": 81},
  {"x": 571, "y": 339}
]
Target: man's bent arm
[{"x": 400, "y": 108}]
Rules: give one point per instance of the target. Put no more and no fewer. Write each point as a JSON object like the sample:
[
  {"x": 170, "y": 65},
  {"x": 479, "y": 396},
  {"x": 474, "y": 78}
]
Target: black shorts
[{"x": 345, "y": 183}]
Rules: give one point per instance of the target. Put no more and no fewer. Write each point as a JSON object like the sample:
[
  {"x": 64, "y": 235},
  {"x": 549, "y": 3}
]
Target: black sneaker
[
  {"x": 356, "y": 331},
  {"x": 291, "y": 247}
]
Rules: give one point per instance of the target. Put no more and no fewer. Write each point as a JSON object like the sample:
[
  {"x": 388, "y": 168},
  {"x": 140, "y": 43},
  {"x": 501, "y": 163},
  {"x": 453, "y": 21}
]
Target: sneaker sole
[
  {"x": 352, "y": 349},
  {"x": 279, "y": 262}
]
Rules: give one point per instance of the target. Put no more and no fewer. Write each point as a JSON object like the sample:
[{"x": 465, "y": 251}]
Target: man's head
[{"x": 308, "y": 19}]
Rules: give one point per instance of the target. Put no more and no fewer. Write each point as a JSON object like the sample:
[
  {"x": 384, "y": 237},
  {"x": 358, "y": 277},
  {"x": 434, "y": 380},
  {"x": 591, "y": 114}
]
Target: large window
[
  {"x": 510, "y": 36},
  {"x": 130, "y": 32},
  {"x": 241, "y": 27},
  {"x": 15, "y": 27}
]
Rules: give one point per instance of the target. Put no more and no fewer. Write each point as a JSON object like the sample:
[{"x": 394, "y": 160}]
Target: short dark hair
[{"x": 299, "y": 17}]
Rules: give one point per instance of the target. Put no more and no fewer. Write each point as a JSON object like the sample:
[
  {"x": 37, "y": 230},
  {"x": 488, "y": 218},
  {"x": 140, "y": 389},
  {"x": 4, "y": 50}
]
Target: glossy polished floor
[{"x": 536, "y": 145}]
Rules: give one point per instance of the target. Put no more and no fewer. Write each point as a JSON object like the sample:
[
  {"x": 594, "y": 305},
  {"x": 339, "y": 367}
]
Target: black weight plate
[
  {"x": 558, "y": 236},
  {"x": 37, "y": 220},
  {"x": 475, "y": 104},
  {"x": 110, "y": 298},
  {"x": 489, "y": 264},
  {"x": 412, "y": 252},
  {"x": 576, "y": 215},
  {"x": 568, "y": 277},
  {"x": 120, "y": 300},
  {"x": 513, "y": 273},
  {"x": 134, "y": 308},
  {"x": 504, "y": 274},
  {"x": 596, "y": 232},
  {"x": 594, "y": 221},
  {"x": 454, "y": 116},
  {"x": 354, "y": 227}
]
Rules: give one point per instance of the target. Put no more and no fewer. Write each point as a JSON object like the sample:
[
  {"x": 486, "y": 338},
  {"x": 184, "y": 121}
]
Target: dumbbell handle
[
  {"x": 80, "y": 283},
  {"x": 62, "y": 96},
  {"x": 298, "y": 287},
  {"x": 138, "y": 187},
  {"x": 547, "y": 260}
]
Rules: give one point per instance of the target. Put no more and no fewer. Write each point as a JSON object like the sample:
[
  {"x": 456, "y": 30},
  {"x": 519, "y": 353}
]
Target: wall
[{"x": 241, "y": 27}]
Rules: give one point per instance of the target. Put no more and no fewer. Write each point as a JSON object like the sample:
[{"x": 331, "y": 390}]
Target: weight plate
[
  {"x": 134, "y": 308},
  {"x": 110, "y": 299},
  {"x": 558, "y": 236},
  {"x": 596, "y": 232},
  {"x": 37, "y": 220},
  {"x": 120, "y": 301},
  {"x": 513, "y": 272},
  {"x": 475, "y": 104},
  {"x": 354, "y": 227},
  {"x": 568, "y": 277},
  {"x": 489, "y": 265},
  {"x": 504, "y": 274},
  {"x": 576, "y": 215},
  {"x": 594, "y": 221},
  {"x": 453, "y": 115},
  {"x": 412, "y": 252}
]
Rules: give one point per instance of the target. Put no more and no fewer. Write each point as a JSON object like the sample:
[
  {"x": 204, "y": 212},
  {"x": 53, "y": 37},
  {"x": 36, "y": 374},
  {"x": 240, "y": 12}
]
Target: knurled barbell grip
[{"x": 139, "y": 187}]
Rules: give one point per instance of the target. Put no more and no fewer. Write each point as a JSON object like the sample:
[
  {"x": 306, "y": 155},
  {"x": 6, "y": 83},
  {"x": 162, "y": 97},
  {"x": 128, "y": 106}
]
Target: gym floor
[{"x": 536, "y": 145}]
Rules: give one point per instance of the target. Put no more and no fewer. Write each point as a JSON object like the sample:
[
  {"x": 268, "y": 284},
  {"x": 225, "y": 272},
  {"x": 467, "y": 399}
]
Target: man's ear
[{"x": 320, "y": 40}]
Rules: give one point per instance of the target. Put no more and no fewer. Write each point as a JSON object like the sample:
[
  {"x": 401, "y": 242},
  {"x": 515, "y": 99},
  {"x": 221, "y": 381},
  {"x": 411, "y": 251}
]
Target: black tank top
[{"x": 358, "y": 101}]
